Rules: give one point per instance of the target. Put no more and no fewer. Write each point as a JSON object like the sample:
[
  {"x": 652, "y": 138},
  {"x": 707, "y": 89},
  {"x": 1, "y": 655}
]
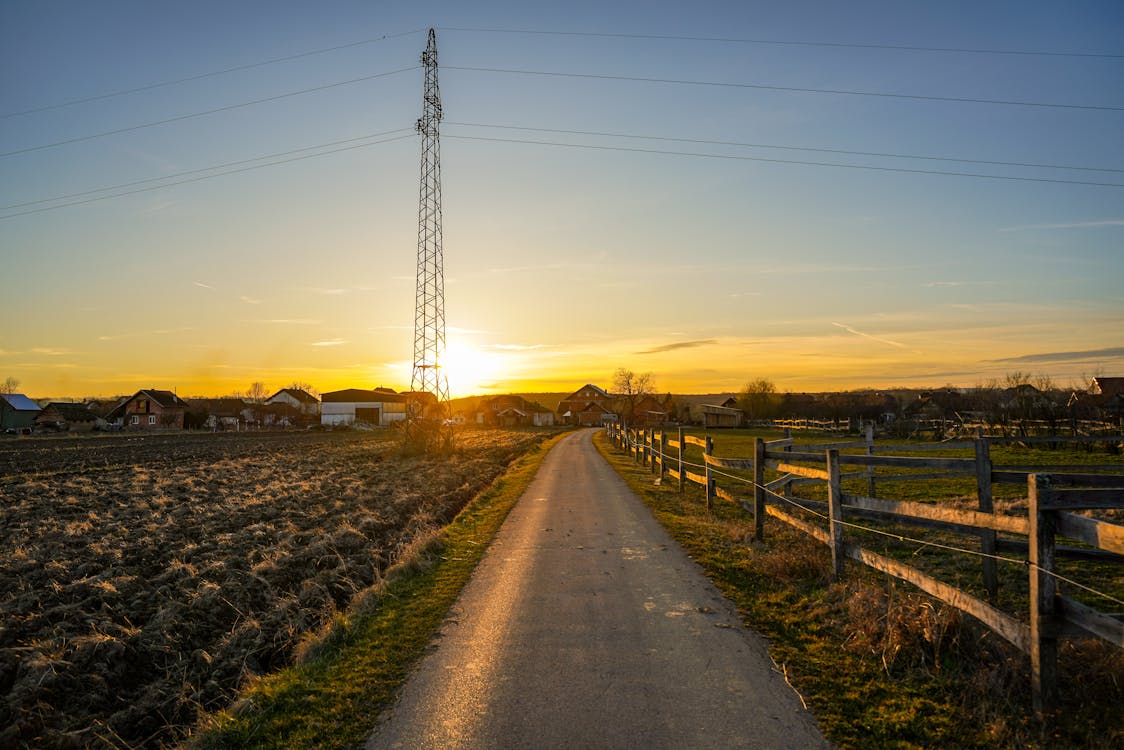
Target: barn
[
  {"x": 380, "y": 407},
  {"x": 17, "y": 411}
]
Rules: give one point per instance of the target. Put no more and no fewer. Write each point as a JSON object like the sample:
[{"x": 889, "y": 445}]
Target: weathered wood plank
[
  {"x": 782, "y": 443},
  {"x": 971, "y": 518},
  {"x": 696, "y": 478},
  {"x": 1100, "y": 534},
  {"x": 810, "y": 529},
  {"x": 901, "y": 462},
  {"x": 1059, "y": 439},
  {"x": 737, "y": 464},
  {"x": 916, "y": 477},
  {"x": 923, "y": 447},
  {"x": 674, "y": 474},
  {"x": 803, "y": 471},
  {"x": 1070, "y": 474},
  {"x": 692, "y": 440},
  {"x": 726, "y": 495},
  {"x": 1088, "y": 619},
  {"x": 673, "y": 444},
  {"x": 1017, "y": 633},
  {"x": 833, "y": 446},
  {"x": 1071, "y": 499},
  {"x": 780, "y": 482}
]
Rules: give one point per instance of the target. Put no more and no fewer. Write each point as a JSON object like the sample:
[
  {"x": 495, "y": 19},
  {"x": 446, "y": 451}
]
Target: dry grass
[{"x": 135, "y": 597}]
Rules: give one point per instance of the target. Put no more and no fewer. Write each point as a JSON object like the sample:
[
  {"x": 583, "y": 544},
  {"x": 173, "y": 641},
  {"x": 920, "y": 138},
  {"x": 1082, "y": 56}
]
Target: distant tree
[
  {"x": 257, "y": 393},
  {"x": 631, "y": 388},
  {"x": 9, "y": 385},
  {"x": 758, "y": 399},
  {"x": 302, "y": 386}
]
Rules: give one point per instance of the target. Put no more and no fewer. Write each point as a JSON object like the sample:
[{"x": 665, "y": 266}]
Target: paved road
[{"x": 586, "y": 626}]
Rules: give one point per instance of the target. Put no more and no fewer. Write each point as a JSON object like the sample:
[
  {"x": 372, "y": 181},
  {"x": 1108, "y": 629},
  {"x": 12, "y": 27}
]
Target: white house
[
  {"x": 301, "y": 400},
  {"x": 378, "y": 408}
]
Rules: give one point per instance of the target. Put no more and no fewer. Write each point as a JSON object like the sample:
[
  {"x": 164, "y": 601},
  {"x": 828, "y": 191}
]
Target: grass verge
[
  {"x": 880, "y": 664},
  {"x": 333, "y": 697}
]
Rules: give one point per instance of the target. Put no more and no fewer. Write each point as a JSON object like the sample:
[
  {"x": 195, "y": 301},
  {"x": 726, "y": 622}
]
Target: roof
[
  {"x": 575, "y": 397},
  {"x": 72, "y": 412},
  {"x": 1109, "y": 386},
  {"x": 220, "y": 407},
  {"x": 362, "y": 396},
  {"x": 163, "y": 398},
  {"x": 299, "y": 394},
  {"x": 20, "y": 402}
]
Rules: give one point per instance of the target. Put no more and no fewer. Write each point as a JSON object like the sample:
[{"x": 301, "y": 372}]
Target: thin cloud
[
  {"x": 959, "y": 283},
  {"x": 879, "y": 339},
  {"x": 50, "y": 352},
  {"x": 1066, "y": 225},
  {"x": 679, "y": 345},
  {"x": 329, "y": 342},
  {"x": 201, "y": 285},
  {"x": 287, "y": 321},
  {"x": 516, "y": 347},
  {"x": 1107, "y": 353},
  {"x": 250, "y": 300}
]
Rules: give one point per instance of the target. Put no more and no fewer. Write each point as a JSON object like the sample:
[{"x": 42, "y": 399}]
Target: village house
[
  {"x": 589, "y": 406},
  {"x": 150, "y": 409},
  {"x": 724, "y": 414},
  {"x": 221, "y": 414},
  {"x": 301, "y": 400},
  {"x": 652, "y": 411},
  {"x": 67, "y": 416},
  {"x": 380, "y": 407},
  {"x": 17, "y": 412},
  {"x": 513, "y": 411}
]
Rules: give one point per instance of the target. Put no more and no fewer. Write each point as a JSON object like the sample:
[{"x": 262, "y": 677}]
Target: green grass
[
  {"x": 334, "y": 696},
  {"x": 880, "y": 665}
]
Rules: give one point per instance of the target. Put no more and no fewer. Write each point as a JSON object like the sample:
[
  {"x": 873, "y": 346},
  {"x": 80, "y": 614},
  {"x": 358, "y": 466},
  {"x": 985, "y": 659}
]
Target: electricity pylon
[{"x": 429, "y": 314}]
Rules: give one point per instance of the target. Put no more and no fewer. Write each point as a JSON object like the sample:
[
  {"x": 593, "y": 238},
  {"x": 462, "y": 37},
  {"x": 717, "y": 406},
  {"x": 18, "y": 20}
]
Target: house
[
  {"x": 651, "y": 411},
  {"x": 220, "y": 414},
  {"x": 725, "y": 414},
  {"x": 512, "y": 411},
  {"x": 301, "y": 400},
  {"x": 589, "y": 405},
  {"x": 150, "y": 409},
  {"x": 17, "y": 411},
  {"x": 380, "y": 407},
  {"x": 1107, "y": 386},
  {"x": 71, "y": 417}
]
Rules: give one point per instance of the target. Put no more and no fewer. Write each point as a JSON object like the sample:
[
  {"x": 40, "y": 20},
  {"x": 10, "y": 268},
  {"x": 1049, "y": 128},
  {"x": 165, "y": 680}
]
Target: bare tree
[
  {"x": 299, "y": 385},
  {"x": 631, "y": 388},
  {"x": 10, "y": 385},
  {"x": 257, "y": 393},
  {"x": 758, "y": 399}
]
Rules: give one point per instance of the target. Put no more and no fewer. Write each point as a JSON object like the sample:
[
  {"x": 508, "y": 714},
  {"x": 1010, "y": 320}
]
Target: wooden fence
[{"x": 1054, "y": 493}]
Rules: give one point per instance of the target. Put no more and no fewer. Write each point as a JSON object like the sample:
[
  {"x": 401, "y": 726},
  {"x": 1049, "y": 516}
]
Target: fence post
[
  {"x": 708, "y": 450},
  {"x": 680, "y": 460},
  {"x": 759, "y": 489},
  {"x": 835, "y": 504},
  {"x": 652, "y": 454},
  {"x": 788, "y": 449},
  {"x": 1043, "y": 587},
  {"x": 986, "y": 505},
  {"x": 663, "y": 453},
  {"x": 871, "y": 490}
]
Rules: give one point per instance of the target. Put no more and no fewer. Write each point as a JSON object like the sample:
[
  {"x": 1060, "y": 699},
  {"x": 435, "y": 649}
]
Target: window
[
  {"x": 134, "y": 419},
  {"x": 152, "y": 419}
]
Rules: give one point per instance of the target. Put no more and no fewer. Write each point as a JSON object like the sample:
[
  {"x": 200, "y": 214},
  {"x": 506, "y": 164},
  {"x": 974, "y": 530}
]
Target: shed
[
  {"x": 65, "y": 415},
  {"x": 377, "y": 408},
  {"x": 17, "y": 411}
]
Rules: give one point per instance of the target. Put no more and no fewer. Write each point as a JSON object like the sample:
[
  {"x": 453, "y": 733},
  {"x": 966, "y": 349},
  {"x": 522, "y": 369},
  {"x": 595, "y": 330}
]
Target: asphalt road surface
[{"x": 587, "y": 626}]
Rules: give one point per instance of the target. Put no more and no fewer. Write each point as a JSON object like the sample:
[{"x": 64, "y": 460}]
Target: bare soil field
[{"x": 144, "y": 578}]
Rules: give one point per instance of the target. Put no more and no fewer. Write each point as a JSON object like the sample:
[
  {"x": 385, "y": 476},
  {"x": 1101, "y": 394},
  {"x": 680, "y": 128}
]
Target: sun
[{"x": 470, "y": 370}]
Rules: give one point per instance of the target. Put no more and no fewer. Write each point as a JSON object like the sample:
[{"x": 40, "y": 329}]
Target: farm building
[
  {"x": 150, "y": 409},
  {"x": 218, "y": 414},
  {"x": 62, "y": 415},
  {"x": 512, "y": 410},
  {"x": 380, "y": 407},
  {"x": 17, "y": 411},
  {"x": 725, "y": 414},
  {"x": 301, "y": 400},
  {"x": 589, "y": 406},
  {"x": 652, "y": 411}
]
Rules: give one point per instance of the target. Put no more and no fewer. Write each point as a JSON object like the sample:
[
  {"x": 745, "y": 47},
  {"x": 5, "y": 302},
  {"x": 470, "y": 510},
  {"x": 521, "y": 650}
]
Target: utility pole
[{"x": 429, "y": 315}]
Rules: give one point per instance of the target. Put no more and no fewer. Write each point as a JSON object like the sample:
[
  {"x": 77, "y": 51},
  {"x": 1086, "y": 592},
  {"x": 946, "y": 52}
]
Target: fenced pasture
[
  {"x": 143, "y": 579},
  {"x": 991, "y": 527}
]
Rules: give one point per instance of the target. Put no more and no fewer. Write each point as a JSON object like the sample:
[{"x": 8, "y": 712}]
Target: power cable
[
  {"x": 784, "y": 148},
  {"x": 224, "y": 71},
  {"x": 207, "y": 112},
  {"x": 788, "y": 42},
  {"x": 211, "y": 168},
  {"x": 204, "y": 177},
  {"x": 769, "y": 87},
  {"x": 732, "y": 157}
]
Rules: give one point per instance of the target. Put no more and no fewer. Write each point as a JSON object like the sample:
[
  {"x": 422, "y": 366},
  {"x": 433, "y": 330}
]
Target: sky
[{"x": 198, "y": 196}]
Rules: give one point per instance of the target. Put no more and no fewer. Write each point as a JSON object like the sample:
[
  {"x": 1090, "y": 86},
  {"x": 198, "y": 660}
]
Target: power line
[
  {"x": 211, "y": 74},
  {"x": 789, "y": 42},
  {"x": 732, "y": 157},
  {"x": 211, "y": 168},
  {"x": 769, "y": 87},
  {"x": 207, "y": 177},
  {"x": 785, "y": 148},
  {"x": 193, "y": 115}
]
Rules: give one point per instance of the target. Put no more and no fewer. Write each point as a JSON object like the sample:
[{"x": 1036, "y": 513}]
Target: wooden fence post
[
  {"x": 986, "y": 505},
  {"x": 680, "y": 460},
  {"x": 835, "y": 505},
  {"x": 708, "y": 450},
  {"x": 663, "y": 453},
  {"x": 871, "y": 490},
  {"x": 1043, "y": 588},
  {"x": 759, "y": 489},
  {"x": 788, "y": 449},
  {"x": 653, "y": 454}
]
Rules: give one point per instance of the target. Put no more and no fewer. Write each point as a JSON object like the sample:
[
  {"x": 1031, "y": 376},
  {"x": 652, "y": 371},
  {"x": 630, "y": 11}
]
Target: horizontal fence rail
[{"x": 1054, "y": 497}]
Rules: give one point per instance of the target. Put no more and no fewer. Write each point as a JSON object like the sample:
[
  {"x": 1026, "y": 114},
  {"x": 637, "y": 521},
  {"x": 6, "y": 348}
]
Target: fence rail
[{"x": 1053, "y": 496}]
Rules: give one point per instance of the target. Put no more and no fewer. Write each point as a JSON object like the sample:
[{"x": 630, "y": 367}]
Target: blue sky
[{"x": 563, "y": 263}]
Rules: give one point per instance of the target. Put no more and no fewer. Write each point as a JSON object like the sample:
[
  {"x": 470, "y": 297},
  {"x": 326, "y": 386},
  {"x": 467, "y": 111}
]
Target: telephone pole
[{"x": 429, "y": 314}]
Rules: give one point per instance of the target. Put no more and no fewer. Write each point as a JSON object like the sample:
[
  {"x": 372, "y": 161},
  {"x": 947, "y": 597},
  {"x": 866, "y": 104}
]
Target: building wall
[
  {"x": 145, "y": 414},
  {"x": 343, "y": 412}
]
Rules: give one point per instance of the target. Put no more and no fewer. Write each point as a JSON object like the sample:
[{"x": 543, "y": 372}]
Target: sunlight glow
[{"x": 471, "y": 370}]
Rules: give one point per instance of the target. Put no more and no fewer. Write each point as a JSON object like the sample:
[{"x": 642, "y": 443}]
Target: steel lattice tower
[{"x": 429, "y": 314}]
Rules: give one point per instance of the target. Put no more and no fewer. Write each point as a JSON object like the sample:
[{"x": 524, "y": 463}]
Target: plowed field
[{"x": 143, "y": 579}]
